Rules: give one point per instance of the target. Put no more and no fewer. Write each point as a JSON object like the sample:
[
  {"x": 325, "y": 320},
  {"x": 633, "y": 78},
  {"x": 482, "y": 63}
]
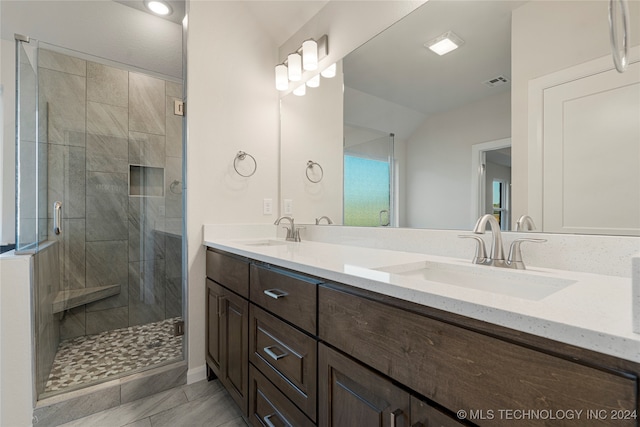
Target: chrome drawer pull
[
  {"x": 394, "y": 417},
  {"x": 272, "y": 354},
  {"x": 275, "y": 293},
  {"x": 267, "y": 420}
]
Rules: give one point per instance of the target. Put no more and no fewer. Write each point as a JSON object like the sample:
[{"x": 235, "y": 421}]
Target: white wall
[
  {"x": 16, "y": 374},
  {"x": 549, "y": 36},
  {"x": 105, "y": 29},
  {"x": 438, "y": 167},
  {"x": 312, "y": 129},
  {"x": 232, "y": 105}
]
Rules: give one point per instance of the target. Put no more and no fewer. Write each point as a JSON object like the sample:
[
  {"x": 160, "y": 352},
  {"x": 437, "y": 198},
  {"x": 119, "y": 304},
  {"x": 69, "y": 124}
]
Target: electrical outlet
[
  {"x": 288, "y": 206},
  {"x": 267, "y": 206}
]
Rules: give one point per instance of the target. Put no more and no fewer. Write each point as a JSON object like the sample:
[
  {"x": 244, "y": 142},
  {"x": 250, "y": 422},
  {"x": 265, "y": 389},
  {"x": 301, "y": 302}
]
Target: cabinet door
[
  {"x": 215, "y": 294},
  {"x": 425, "y": 415},
  {"x": 352, "y": 395},
  {"x": 235, "y": 347}
]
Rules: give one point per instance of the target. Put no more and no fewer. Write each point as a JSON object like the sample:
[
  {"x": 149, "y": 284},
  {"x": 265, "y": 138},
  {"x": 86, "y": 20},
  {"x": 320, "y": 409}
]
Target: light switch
[
  {"x": 267, "y": 206},
  {"x": 288, "y": 206}
]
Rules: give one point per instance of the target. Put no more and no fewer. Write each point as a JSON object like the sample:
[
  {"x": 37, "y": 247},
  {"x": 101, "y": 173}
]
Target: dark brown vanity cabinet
[
  {"x": 297, "y": 351},
  {"x": 493, "y": 380},
  {"x": 352, "y": 395},
  {"x": 227, "y": 328},
  {"x": 283, "y": 347}
]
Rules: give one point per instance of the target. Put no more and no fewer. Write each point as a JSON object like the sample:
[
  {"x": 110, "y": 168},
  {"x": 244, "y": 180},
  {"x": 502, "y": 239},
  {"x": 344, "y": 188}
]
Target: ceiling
[
  {"x": 396, "y": 67},
  {"x": 178, "y": 7},
  {"x": 279, "y": 19}
]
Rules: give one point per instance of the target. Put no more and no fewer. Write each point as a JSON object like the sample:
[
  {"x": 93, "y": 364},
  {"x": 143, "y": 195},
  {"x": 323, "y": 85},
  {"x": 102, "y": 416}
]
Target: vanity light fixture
[
  {"x": 306, "y": 58},
  {"x": 445, "y": 43},
  {"x": 314, "y": 81},
  {"x": 310, "y": 55},
  {"x": 158, "y": 7},
  {"x": 294, "y": 65},
  {"x": 329, "y": 72},
  {"x": 282, "y": 77},
  {"x": 300, "y": 90}
]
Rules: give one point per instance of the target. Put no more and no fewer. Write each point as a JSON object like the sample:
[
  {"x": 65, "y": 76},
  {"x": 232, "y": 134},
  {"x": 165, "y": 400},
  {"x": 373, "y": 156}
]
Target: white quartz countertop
[{"x": 594, "y": 312}]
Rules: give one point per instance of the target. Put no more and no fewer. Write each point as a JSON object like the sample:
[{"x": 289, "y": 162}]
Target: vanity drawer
[
  {"x": 288, "y": 295},
  {"x": 465, "y": 370},
  {"x": 286, "y": 356},
  {"x": 269, "y": 407},
  {"x": 229, "y": 271}
]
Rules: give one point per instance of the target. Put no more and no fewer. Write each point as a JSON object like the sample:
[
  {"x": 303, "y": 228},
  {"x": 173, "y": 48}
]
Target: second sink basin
[{"x": 515, "y": 283}]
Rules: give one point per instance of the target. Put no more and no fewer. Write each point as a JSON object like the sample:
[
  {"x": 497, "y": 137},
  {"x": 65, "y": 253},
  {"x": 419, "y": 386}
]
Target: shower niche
[{"x": 146, "y": 181}]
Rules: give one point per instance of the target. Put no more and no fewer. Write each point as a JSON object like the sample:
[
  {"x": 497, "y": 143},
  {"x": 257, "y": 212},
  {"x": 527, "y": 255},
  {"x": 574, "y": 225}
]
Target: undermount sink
[
  {"x": 515, "y": 283},
  {"x": 266, "y": 242}
]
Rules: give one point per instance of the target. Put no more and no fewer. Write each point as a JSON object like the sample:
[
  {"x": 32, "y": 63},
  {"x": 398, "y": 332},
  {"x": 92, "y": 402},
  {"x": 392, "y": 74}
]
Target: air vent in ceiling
[{"x": 497, "y": 81}]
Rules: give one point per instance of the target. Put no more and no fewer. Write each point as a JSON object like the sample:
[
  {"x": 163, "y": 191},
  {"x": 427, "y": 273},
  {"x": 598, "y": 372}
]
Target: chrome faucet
[
  {"x": 525, "y": 222},
  {"x": 293, "y": 233},
  {"x": 329, "y": 222},
  {"x": 496, "y": 258},
  {"x": 497, "y": 252}
]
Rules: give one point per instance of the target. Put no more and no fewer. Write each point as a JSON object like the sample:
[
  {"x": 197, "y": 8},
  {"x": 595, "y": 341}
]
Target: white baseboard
[{"x": 196, "y": 374}]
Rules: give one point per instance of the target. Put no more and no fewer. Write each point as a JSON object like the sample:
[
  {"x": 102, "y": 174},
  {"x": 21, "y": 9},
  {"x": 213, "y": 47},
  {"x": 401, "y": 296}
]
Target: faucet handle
[
  {"x": 481, "y": 252},
  {"x": 289, "y": 232},
  {"x": 515, "y": 254},
  {"x": 296, "y": 233}
]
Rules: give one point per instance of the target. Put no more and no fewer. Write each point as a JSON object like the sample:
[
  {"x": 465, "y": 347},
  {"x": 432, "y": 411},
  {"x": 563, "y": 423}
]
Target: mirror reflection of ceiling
[{"x": 414, "y": 82}]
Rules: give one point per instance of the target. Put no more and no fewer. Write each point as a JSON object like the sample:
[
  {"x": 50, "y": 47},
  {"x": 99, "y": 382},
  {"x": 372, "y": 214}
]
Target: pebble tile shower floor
[{"x": 92, "y": 358}]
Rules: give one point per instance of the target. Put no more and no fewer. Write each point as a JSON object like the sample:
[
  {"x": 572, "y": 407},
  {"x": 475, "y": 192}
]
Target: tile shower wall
[{"x": 101, "y": 120}]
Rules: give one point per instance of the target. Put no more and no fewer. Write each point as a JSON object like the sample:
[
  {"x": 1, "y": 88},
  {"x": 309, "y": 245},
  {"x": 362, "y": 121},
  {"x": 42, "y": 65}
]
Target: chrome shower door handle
[{"x": 57, "y": 218}]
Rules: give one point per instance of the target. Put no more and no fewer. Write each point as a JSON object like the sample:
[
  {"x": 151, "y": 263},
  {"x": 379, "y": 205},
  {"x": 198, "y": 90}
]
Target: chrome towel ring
[
  {"x": 310, "y": 167},
  {"x": 174, "y": 187},
  {"x": 240, "y": 157},
  {"x": 619, "y": 59}
]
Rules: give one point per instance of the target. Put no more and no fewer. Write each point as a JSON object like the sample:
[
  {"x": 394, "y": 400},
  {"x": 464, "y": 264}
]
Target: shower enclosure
[
  {"x": 99, "y": 202},
  {"x": 369, "y": 188}
]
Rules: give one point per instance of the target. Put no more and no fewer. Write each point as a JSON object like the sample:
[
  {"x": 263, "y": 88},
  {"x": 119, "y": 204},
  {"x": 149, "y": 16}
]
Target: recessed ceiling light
[
  {"x": 445, "y": 43},
  {"x": 158, "y": 7}
]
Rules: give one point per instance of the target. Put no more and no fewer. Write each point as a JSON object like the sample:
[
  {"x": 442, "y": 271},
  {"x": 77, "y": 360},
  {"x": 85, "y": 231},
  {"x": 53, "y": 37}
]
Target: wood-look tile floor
[{"x": 205, "y": 403}]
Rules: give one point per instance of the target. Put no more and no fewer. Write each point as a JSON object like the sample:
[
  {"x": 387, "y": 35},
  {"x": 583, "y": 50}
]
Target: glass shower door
[
  {"x": 31, "y": 153},
  {"x": 100, "y": 206}
]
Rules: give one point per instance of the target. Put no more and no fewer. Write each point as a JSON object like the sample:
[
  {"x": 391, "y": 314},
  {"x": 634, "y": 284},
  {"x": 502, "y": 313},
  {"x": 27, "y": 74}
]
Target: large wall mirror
[{"x": 527, "y": 116}]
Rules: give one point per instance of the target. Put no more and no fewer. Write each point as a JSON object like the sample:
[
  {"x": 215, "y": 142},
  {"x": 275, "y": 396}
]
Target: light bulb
[
  {"x": 294, "y": 64},
  {"x": 282, "y": 81},
  {"x": 314, "y": 81},
  {"x": 159, "y": 7},
  {"x": 300, "y": 90},
  {"x": 310, "y": 55},
  {"x": 329, "y": 72}
]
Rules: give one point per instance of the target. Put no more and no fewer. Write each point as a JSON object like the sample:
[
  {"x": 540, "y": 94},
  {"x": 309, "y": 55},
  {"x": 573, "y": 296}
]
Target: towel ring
[
  {"x": 310, "y": 165},
  {"x": 175, "y": 185},
  {"x": 242, "y": 156},
  {"x": 620, "y": 60}
]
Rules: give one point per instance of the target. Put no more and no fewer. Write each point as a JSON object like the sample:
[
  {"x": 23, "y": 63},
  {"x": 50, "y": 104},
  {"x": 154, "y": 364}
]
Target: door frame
[{"x": 478, "y": 166}]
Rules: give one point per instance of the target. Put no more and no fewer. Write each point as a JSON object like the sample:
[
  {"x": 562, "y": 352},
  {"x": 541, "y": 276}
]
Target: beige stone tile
[
  {"x": 104, "y": 119},
  {"x": 107, "y": 85},
  {"x": 146, "y": 104}
]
